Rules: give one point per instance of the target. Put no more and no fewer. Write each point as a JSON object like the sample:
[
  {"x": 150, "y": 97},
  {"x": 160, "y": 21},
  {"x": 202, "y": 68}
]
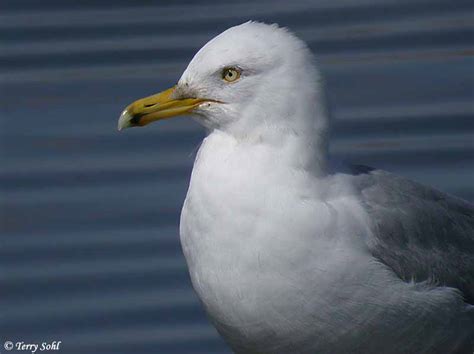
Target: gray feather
[{"x": 420, "y": 233}]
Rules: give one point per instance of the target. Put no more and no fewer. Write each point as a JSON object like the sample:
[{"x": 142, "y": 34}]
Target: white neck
[
  {"x": 298, "y": 144},
  {"x": 288, "y": 116}
]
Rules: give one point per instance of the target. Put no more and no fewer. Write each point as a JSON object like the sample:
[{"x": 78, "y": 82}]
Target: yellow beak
[{"x": 156, "y": 107}]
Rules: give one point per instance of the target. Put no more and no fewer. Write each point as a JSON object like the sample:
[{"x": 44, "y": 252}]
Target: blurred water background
[{"x": 89, "y": 250}]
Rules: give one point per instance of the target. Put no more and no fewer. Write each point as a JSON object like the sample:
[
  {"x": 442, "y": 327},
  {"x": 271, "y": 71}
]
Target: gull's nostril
[
  {"x": 149, "y": 105},
  {"x": 135, "y": 120}
]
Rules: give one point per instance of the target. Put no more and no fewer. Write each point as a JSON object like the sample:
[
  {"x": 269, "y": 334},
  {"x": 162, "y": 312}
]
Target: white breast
[{"x": 255, "y": 236}]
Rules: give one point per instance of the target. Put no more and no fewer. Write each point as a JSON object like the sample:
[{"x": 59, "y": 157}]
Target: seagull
[{"x": 289, "y": 250}]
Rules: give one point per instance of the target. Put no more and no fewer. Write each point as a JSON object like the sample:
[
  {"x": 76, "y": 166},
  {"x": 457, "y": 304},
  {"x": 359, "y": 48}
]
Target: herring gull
[{"x": 289, "y": 250}]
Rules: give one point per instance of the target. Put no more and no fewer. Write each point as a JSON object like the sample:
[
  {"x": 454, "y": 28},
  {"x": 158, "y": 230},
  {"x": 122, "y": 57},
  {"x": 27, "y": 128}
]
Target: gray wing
[{"x": 420, "y": 233}]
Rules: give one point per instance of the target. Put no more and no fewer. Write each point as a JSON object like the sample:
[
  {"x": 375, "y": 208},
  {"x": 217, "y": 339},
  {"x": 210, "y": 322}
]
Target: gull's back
[
  {"x": 426, "y": 238},
  {"x": 422, "y": 234}
]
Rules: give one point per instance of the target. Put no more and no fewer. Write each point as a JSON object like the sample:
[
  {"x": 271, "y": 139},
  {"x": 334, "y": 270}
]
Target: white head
[{"x": 252, "y": 80}]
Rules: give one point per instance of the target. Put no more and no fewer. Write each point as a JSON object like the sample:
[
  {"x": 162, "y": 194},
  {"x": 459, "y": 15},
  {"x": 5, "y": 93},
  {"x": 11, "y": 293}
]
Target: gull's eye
[{"x": 230, "y": 74}]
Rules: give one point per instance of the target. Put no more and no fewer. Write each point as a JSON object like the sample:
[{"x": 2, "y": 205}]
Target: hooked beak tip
[{"x": 124, "y": 120}]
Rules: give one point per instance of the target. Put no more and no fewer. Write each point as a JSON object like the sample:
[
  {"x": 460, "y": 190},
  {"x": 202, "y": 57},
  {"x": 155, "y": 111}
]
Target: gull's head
[{"x": 249, "y": 78}]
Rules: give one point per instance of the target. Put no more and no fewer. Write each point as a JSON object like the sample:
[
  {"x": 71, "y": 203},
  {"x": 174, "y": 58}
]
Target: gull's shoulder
[{"x": 422, "y": 234}]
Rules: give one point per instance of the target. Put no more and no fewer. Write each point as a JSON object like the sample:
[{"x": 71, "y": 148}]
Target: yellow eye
[{"x": 230, "y": 74}]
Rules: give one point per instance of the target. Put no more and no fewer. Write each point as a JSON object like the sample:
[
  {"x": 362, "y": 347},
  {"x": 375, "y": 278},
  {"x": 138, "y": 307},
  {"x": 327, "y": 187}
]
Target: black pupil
[{"x": 230, "y": 73}]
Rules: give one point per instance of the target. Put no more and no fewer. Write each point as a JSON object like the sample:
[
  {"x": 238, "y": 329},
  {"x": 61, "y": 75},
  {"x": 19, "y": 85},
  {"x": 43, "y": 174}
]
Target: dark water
[{"x": 89, "y": 246}]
